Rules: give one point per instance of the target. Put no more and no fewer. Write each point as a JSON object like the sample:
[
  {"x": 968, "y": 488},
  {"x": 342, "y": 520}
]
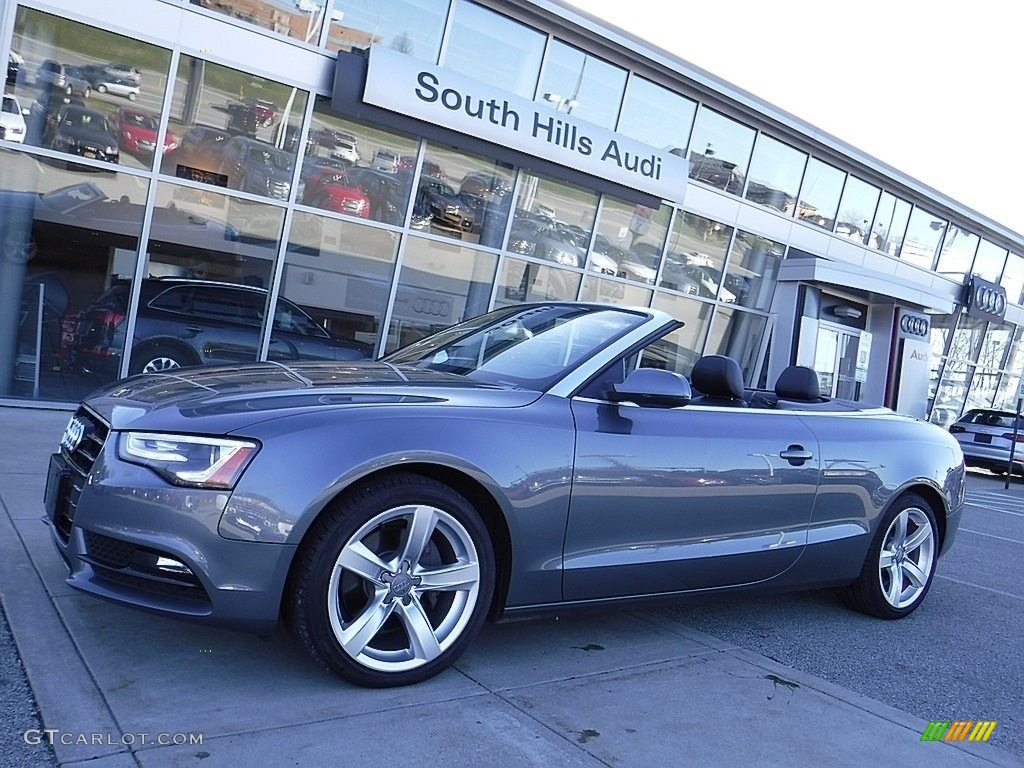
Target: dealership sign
[
  {"x": 403, "y": 84},
  {"x": 984, "y": 299}
]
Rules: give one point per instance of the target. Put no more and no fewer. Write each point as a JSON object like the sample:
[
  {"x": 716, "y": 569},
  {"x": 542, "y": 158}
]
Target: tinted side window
[
  {"x": 178, "y": 299},
  {"x": 222, "y": 304}
]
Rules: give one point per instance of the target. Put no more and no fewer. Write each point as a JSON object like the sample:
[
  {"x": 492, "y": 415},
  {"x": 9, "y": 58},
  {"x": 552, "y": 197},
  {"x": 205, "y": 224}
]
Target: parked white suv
[{"x": 12, "y": 120}]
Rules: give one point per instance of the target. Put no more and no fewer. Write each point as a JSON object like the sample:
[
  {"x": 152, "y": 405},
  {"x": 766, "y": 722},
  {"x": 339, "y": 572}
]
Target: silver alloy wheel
[
  {"x": 158, "y": 364},
  {"x": 906, "y": 558},
  {"x": 432, "y": 601}
]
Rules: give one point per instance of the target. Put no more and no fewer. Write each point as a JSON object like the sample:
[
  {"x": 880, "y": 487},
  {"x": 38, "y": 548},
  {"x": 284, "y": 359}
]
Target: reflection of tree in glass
[{"x": 402, "y": 42}]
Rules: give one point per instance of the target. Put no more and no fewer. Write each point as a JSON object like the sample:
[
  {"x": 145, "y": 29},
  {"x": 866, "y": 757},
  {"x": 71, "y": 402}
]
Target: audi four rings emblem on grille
[{"x": 73, "y": 434}]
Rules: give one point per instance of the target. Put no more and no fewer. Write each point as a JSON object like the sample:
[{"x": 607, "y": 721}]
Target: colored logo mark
[{"x": 959, "y": 730}]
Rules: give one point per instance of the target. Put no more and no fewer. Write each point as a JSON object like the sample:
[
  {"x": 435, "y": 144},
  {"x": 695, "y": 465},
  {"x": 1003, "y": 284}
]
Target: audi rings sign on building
[
  {"x": 913, "y": 325},
  {"x": 985, "y": 300}
]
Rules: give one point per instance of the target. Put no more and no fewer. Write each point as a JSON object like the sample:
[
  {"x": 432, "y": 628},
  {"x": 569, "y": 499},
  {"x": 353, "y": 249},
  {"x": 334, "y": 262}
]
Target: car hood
[
  {"x": 221, "y": 399},
  {"x": 86, "y": 134}
]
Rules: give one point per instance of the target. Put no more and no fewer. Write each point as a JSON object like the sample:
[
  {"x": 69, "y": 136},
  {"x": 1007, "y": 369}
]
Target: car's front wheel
[
  {"x": 392, "y": 582},
  {"x": 900, "y": 564}
]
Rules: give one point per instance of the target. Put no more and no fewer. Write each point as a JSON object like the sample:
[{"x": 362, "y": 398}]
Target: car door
[
  {"x": 222, "y": 325},
  {"x": 687, "y": 498}
]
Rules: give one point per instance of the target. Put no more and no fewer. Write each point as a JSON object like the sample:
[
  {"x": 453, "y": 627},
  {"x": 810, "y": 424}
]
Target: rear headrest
[
  {"x": 718, "y": 376},
  {"x": 798, "y": 383}
]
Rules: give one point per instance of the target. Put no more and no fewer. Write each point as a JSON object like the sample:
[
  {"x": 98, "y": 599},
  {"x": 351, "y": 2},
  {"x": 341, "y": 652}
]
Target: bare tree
[{"x": 402, "y": 43}]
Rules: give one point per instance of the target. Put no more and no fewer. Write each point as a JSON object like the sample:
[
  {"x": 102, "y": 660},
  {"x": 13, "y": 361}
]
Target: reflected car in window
[
  {"x": 334, "y": 190},
  {"x": 124, "y": 72},
  {"x": 117, "y": 86},
  {"x": 446, "y": 209},
  {"x": 385, "y": 510},
  {"x": 137, "y": 131},
  {"x": 202, "y": 145},
  {"x": 83, "y": 132},
  {"x": 12, "y": 119},
  {"x": 184, "y": 322},
  {"x": 252, "y": 166}
]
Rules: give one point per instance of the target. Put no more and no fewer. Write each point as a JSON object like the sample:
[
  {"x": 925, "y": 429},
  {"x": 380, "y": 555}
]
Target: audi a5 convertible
[{"x": 538, "y": 457}]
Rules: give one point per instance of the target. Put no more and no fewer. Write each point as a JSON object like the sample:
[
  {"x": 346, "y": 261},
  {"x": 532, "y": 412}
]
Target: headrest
[
  {"x": 718, "y": 376},
  {"x": 798, "y": 383}
]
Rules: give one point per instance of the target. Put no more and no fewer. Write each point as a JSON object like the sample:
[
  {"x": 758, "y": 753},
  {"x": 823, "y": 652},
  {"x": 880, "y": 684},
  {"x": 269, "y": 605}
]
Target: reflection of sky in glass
[
  {"x": 989, "y": 262},
  {"x": 923, "y": 236},
  {"x": 720, "y": 142},
  {"x": 584, "y": 85},
  {"x": 656, "y": 116},
  {"x": 1013, "y": 278},
  {"x": 494, "y": 49},
  {"x": 819, "y": 196},
  {"x": 856, "y": 209},
  {"x": 410, "y": 26},
  {"x": 957, "y": 252},
  {"x": 777, "y": 167}
]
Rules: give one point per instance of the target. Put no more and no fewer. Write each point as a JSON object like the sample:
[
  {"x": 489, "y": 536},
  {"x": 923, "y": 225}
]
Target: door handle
[
  {"x": 796, "y": 455},
  {"x": 192, "y": 331}
]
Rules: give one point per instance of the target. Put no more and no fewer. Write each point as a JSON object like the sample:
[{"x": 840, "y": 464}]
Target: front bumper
[{"x": 126, "y": 517}]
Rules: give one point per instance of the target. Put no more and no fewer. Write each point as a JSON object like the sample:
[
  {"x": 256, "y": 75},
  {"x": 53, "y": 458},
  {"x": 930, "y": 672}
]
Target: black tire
[
  {"x": 306, "y": 609},
  {"x": 145, "y": 353},
  {"x": 866, "y": 593}
]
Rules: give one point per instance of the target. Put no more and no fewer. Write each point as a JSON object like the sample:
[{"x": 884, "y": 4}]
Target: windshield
[
  {"x": 530, "y": 347},
  {"x": 269, "y": 158},
  {"x": 86, "y": 120},
  {"x": 140, "y": 121},
  {"x": 10, "y": 106}
]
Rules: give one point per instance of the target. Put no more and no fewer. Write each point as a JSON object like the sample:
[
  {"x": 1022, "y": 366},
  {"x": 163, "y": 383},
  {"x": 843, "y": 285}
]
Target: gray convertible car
[{"x": 538, "y": 457}]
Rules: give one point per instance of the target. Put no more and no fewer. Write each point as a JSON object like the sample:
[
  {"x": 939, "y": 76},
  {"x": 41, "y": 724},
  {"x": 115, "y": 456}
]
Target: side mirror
[
  {"x": 25, "y": 111},
  {"x": 653, "y": 387}
]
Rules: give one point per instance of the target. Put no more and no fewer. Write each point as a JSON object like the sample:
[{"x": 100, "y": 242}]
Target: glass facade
[{"x": 163, "y": 209}]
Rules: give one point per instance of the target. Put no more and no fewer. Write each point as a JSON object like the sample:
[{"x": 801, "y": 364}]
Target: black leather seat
[
  {"x": 799, "y": 383},
  {"x": 720, "y": 381}
]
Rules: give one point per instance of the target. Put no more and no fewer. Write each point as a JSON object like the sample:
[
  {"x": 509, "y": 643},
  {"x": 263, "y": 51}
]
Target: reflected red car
[
  {"x": 136, "y": 132},
  {"x": 335, "y": 190}
]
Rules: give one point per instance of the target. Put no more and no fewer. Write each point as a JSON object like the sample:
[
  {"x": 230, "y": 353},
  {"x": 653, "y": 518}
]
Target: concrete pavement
[{"x": 626, "y": 687}]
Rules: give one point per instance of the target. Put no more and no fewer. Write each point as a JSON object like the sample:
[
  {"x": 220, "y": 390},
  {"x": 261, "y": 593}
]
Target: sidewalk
[{"x": 616, "y": 687}]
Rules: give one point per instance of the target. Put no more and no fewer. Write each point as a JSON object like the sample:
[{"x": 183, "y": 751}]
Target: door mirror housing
[{"x": 652, "y": 387}]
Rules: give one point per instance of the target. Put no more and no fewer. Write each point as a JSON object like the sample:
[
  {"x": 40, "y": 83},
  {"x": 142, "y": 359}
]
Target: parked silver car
[
  {"x": 525, "y": 460},
  {"x": 986, "y": 435}
]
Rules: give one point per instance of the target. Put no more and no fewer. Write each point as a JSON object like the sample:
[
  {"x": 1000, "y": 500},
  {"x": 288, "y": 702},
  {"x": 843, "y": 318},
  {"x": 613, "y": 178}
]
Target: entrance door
[{"x": 840, "y": 360}]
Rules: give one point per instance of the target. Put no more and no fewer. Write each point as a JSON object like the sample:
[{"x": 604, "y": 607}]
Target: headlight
[
  {"x": 201, "y": 462},
  {"x": 110, "y": 150}
]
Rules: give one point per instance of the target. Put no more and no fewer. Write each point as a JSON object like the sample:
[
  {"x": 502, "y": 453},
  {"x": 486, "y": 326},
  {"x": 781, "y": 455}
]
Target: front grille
[
  {"x": 129, "y": 565},
  {"x": 80, "y": 461}
]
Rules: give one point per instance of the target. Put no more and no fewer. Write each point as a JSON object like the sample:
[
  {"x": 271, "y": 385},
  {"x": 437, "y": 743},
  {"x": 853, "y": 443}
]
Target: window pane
[
  {"x": 633, "y": 236},
  {"x": 720, "y": 151},
  {"x": 440, "y": 284},
  {"x": 299, "y": 20},
  {"x": 1013, "y": 277},
  {"x": 988, "y": 263},
  {"x": 1006, "y": 394},
  {"x": 494, "y": 49},
  {"x": 68, "y": 245},
  {"x": 334, "y": 290},
  {"x": 856, "y": 210},
  {"x": 949, "y": 398},
  {"x": 753, "y": 266},
  {"x": 463, "y": 196},
  {"x": 737, "y": 334},
  {"x": 696, "y": 255},
  {"x": 215, "y": 254},
  {"x": 356, "y": 168},
  {"x": 553, "y": 221},
  {"x": 657, "y": 116},
  {"x": 612, "y": 291},
  {"x": 680, "y": 349},
  {"x": 957, "y": 253},
  {"x": 820, "y": 193},
  {"x": 983, "y": 389},
  {"x": 583, "y": 85},
  {"x": 775, "y": 173},
  {"x": 924, "y": 233},
  {"x": 995, "y": 345},
  {"x": 93, "y": 93},
  {"x": 941, "y": 330},
  {"x": 890, "y": 224},
  {"x": 527, "y": 281},
  {"x": 236, "y": 130},
  {"x": 409, "y": 26},
  {"x": 1015, "y": 356},
  {"x": 967, "y": 338}
]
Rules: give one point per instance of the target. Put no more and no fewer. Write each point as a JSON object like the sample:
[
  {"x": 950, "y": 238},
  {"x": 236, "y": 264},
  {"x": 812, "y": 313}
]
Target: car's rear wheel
[
  {"x": 101, "y": 88},
  {"x": 393, "y": 582},
  {"x": 900, "y": 564}
]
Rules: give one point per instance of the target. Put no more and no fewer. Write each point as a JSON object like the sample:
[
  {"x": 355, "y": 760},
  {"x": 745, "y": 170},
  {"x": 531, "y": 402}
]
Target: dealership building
[{"x": 224, "y": 181}]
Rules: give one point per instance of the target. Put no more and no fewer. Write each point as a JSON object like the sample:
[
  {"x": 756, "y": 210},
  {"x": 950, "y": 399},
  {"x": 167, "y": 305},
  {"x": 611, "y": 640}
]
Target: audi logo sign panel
[{"x": 985, "y": 300}]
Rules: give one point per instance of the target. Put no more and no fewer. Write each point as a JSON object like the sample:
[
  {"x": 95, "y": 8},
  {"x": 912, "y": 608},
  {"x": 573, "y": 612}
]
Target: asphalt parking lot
[{"x": 767, "y": 680}]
